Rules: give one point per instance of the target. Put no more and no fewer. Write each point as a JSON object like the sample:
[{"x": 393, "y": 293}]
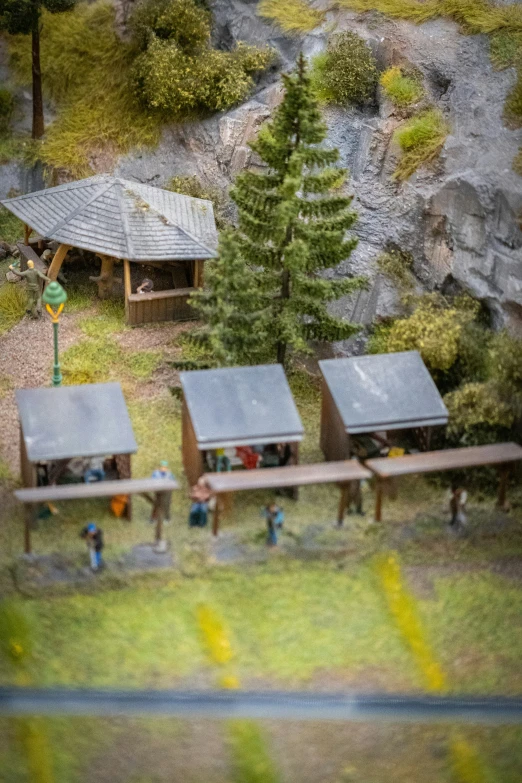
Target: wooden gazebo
[
  {"x": 119, "y": 220},
  {"x": 377, "y": 394},
  {"x": 233, "y": 407}
]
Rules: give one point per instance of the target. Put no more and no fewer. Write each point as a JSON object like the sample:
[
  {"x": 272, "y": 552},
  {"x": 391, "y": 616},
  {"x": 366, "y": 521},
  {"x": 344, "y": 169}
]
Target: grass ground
[{"x": 312, "y": 615}]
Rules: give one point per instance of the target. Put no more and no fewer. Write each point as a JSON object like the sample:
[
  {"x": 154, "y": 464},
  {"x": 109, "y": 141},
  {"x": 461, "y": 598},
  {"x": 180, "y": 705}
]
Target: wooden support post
[
  {"x": 105, "y": 279},
  {"x": 342, "y": 503},
  {"x": 57, "y": 261},
  {"x": 27, "y": 233},
  {"x": 159, "y": 527},
  {"x": 28, "y": 521},
  {"x": 126, "y": 286},
  {"x": 378, "y": 499},
  {"x": 198, "y": 274},
  {"x": 215, "y": 517},
  {"x": 502, "y": 486}
]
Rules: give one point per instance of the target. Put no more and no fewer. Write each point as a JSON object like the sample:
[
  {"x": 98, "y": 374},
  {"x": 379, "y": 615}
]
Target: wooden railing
[{"x": 170, "y": 305}]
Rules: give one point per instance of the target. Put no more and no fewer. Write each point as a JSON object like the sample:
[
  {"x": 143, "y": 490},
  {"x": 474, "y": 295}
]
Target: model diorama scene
[{"x": 261, "y": 391}]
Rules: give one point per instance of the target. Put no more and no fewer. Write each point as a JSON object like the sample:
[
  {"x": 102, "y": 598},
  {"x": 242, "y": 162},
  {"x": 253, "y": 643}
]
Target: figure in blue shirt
[{"x": 275, "y": 517}]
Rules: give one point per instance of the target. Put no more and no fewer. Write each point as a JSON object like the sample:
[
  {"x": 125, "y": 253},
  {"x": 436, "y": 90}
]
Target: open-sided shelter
[
  {"x": 376, "y": 393},
  {"x": 61, "y": 424},
  {"x": 236, "y": 406},
  {"x": 121, "y": 220}
]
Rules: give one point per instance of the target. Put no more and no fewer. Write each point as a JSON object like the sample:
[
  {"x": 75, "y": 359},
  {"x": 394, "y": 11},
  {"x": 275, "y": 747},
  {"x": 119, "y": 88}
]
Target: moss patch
[
  {"x": 403, "y": 90},
  {"x": 292, "y": 16},
  {"x": 420, "y": 139}
]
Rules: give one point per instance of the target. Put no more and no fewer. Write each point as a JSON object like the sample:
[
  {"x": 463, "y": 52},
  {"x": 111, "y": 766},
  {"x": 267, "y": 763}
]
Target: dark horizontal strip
[{"x": 250, "y": 704}]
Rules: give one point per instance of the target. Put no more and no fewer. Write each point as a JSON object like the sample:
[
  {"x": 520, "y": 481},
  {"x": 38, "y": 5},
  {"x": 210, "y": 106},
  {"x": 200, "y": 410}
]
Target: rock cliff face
[{"x": 461, "y": 219}]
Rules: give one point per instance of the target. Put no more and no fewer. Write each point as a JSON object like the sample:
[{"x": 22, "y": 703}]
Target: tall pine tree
[
  {"x": 293, "y": 221},
  {"x": 232, "y": 307}
]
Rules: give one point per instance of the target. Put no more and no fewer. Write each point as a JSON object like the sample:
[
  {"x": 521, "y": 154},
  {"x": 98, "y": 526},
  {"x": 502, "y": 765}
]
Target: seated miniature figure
[
  {"x": 146, "y": 287},
  {"x": 95, "y": 471}
]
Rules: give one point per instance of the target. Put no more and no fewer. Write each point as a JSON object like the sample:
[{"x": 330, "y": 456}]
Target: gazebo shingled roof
[{"x": 122, "y": 219}]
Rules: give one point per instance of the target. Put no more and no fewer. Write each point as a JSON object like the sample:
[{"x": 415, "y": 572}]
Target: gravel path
[{"x": 26, "y": 359}]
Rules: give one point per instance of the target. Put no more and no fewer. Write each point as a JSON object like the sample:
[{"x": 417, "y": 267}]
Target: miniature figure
[
  {"x": 93, "y": 536},
  {"x": 146, "y": 287},
  {"x": 275, "y": 517},
  {"x": 33, "y": 277},
  {"x": 95, "y": 471},
  {"x": 161, "y": 507},
  {"x": 200, "y": 496},
  {"x": 457, "y": 504}
]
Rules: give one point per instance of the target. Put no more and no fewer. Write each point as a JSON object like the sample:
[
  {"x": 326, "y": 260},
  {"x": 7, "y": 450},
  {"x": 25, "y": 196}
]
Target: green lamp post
[{"x": 54, "y": 298}]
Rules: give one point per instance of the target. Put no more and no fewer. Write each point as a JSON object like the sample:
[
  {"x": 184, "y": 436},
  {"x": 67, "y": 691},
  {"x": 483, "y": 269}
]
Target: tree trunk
[
  {"x": 38, "y": 115},
  {"x": 285, "y": 294}
]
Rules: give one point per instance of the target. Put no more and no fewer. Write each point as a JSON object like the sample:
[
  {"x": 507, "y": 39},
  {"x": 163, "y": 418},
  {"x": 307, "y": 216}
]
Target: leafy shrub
[
  {"x": 191, "y": 185},
  {"x": 346, "y": 72},
  {"x": 403, "y": 90},
  {"x": 13, "y": 303},
  {"x": 513, "y": 106},
  {"x": 177, "y": 84},
  {"x": 87, "y": 73},
  {"x": 7, "y": 107},
  {"x": 435, "y": 329},
  {"x": 505, "y": 364},
  {"x": 517, "y": 163},
  {"x": 478, "y": 414},
  {"x": 421, "y": 139},
  {"x": 292, "y": 16},
  {"x": 397, "y": 264},
  {"x": 181, "y": 21}
]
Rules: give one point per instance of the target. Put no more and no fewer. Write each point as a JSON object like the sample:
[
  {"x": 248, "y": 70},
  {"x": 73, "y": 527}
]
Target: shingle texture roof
[
  {"x": 384, "y": 391},
  {"x": 120, "y": 218},
  {"x": 75, "y": 421},
  {"x": 238, "y": 405}
]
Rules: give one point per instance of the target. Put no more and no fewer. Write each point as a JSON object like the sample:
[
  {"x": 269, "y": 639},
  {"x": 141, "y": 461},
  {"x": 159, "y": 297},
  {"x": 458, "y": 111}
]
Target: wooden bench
[
  {"x": 169, "y": 305},
  {"x": 292, "y": 475},
  {"x": 97, "y": 489},
  {"x": 500, "y": 454}
]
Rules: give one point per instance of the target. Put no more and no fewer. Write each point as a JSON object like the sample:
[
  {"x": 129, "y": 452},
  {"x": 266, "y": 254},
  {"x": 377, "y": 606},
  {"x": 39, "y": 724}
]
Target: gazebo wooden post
[
  {"x": 27, "y": 233},
  {"x": 379, "y": 490},
  {"x": 502, "y": 486},
  {"x": 126, "y": 286},
  {"x": 343, "y": 499},
  {"x": 28, "y": 521},
  {"x": 57, "y": 261},
  {"x": 215, "y": 517}
]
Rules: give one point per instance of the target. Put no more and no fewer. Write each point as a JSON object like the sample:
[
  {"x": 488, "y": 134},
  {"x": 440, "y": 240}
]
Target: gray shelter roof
[
  {"x": 75, "y": 421},
  {"x": 241, "y": 405},
  {"x": 384, "y": 392},
  {"x": 122, "y": 219}
]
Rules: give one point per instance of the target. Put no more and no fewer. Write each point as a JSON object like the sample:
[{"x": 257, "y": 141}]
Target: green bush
[
  {"x": 181, "y": 21},
  {"x": 292, "y": 16},
  {"x": 191, "y": 185},
  {"x": 7, "y": 107},
  {"x": 397, "y": 264},
  {"x": 478, "y": 414},
  {"x": 420, "y": 139},
  {"x": 347, "y": 72},
  {"x": 177, "y": 84},
  {"x": 513, "y": 106},
  {"x": 400, "y": 88}
]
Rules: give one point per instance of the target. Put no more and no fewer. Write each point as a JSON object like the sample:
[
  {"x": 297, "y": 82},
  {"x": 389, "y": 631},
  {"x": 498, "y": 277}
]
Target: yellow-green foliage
[
  {"x": 517, "y": 163},
  {"x": 292, "y": 16},
  {"x": 184, "y": 22},
  {"x": 434, "y": 329},
  {"x": 191, "y": 185},
  {"x": 13, "y": 303},
  {"x": 506, "y": 49},
  {"x": 11, "y": 228},
  {"x": 477, "y": 16},
  {"x": 403, "y": 90},
  {"x": 86, "y": 72},
  {"x": 421, "y": 139},
  {"x": 252, "y": 760},
  {"x": 173, "y": 82},
  {"x": 513, "y": 107},
  {"x": 99, "y": 359},
  {"x": 346, "y": 72},
  {"x": 478, "y": 407},
  {"x": 397, "y": 264}
]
